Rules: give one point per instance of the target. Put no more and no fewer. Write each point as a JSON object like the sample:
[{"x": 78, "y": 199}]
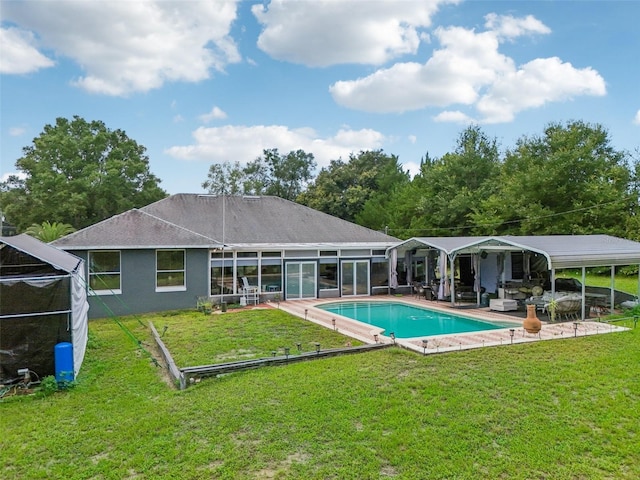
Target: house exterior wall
[
  {"x": 138, "y": 285},
  {"x": 138, "y": 292}
]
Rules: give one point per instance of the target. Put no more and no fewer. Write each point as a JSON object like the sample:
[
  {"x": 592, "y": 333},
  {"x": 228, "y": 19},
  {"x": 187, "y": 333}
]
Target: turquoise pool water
[{"x": 407, "y": 321}]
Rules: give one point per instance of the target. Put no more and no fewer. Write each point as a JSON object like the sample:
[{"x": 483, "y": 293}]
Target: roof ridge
[{"x": 180, "y": 227}]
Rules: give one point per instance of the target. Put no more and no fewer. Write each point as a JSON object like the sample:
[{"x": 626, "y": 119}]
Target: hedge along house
[
  {"x": 43, "y": 302},
  {"x": 507, "y": 265},
  {"x": 163, "y": 256}
]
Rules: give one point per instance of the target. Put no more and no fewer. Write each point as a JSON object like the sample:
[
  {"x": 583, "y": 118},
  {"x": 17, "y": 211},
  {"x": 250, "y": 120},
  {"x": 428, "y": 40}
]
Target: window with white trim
[
  {"x": 170, "y": 270},
  {"x": 104, "y": 272}
]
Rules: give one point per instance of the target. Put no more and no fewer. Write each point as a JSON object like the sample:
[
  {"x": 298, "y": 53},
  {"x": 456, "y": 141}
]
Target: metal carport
[{"x": 561, "y": 251}]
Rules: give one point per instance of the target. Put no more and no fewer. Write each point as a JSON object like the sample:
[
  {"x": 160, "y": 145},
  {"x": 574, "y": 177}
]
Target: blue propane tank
[{"x": 63, "y": 359}]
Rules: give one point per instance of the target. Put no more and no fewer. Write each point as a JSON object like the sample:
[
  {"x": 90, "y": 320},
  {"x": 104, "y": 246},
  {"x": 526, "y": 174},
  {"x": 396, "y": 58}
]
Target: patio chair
[
  {"x": 567, "y": 307},
  {"x": 418, "y": 289},
  {"x": 250, "y": 292}
]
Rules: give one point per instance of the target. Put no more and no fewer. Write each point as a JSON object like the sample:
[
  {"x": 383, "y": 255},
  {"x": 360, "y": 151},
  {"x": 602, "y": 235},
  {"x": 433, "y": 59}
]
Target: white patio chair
[{"x": 250, "y": 292}]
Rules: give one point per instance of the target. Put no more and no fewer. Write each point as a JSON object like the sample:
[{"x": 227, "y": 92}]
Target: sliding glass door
[
  {"x": 355, "y": 277},
  {"x": 301, "y": 280}
]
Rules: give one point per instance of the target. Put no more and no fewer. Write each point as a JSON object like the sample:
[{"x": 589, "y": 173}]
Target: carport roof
[{"x": 561, "y": 251}]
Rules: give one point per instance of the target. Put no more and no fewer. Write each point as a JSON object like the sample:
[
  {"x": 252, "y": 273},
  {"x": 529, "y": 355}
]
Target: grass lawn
[
  {"x": 565, "y": 409},
  {"x": 628, "y": 284},
  {"x": 197, "y": 339}
]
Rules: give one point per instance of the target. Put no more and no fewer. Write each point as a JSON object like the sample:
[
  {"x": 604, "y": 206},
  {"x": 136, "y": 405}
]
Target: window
[
  {"x": 170, "y": 269},
  {"x": 517, "y": 265},
  {"x": 271, "y": 272},
  {"x": 221, "y": 275},
  {"x": 104, "y": 272},
  {"x": 379, "y": 272},
  {"x": 328, "y": 273},
  {"x": 247, "y": 267}
]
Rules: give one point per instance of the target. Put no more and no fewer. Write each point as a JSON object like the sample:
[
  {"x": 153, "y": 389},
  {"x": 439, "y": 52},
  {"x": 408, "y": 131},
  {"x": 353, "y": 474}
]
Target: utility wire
[
  {"x": 116, "y": 319},
  {"x": 506, "y": 222}
]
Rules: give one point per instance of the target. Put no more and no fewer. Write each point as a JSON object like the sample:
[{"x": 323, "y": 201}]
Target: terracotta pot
[{"x": 532, "y": 323}]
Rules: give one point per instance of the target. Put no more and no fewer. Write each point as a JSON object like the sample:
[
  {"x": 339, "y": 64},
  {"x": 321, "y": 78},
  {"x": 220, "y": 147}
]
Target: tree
[
  {"x": 284, "y": 176},
  {"x": 79, "y": 173},
  {"x": 343, "y": 188},
  {"x": 224, "y": 179},
  {"x": 569, "y": 180},
  {"x": 441, "y": 198},
  {"x": 48, "y": 232}
]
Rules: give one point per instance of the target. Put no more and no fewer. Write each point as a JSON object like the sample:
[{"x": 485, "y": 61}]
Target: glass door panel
[
  {"x": 308, "y": 276},
  {"x": 362, "y": 278},
  {"x": 301, "y": 280},
  {"x": 355, "y": 277},
  {"x": 347, "y": 279}
]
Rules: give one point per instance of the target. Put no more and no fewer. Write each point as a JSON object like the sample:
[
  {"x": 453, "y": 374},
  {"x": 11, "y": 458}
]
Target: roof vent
[{"x": 251, "y": 198}]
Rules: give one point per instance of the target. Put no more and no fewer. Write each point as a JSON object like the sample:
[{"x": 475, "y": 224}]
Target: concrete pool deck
[{"x": 444, "y": 343}]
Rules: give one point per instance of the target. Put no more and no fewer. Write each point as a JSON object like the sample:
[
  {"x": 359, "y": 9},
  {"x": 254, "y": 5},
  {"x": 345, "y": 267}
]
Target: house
[
  {"x": 43, "y": 303},
  {"x": 165, "y": 255}
]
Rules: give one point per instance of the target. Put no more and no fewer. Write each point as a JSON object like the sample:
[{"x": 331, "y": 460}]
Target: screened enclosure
[{"x": 43, "y": 302}]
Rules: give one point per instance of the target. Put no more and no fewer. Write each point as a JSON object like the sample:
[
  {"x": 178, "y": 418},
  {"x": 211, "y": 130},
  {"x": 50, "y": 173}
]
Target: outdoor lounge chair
[{"x": 569, "y": 306}]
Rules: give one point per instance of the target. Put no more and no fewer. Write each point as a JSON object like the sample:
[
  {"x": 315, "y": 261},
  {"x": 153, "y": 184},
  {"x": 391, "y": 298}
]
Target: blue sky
[{"x": 202, "y": 82}]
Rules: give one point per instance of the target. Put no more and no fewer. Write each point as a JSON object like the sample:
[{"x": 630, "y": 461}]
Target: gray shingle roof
[
  {"x": 133, "y": 229},
  {"x": 263, "y": 219},
  {"x": 197, "y": 220}
]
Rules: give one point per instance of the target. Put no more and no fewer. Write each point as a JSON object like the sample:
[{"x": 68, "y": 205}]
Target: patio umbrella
[
  {"x": 393, "y": 261},
  {"x": 408, "y": 259},
  {"x": 476, "y": 272},
  {"x": 442, "y": 266}
]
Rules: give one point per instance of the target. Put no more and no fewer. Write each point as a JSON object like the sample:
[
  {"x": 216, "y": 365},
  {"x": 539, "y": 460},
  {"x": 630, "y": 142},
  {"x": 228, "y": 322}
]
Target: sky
[{"x": 213, "y": 81}]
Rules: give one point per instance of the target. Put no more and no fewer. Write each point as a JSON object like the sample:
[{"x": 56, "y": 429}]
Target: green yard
[
  {"x": 627, "y": 284},
  {"x": 566, "y": 409}
]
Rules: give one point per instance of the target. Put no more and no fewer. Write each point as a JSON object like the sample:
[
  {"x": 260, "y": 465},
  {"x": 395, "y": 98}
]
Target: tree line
[{"x": 569, "y": 179}]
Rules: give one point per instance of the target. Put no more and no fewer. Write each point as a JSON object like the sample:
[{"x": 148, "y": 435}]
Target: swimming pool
[{"x": 407, "y": 321}]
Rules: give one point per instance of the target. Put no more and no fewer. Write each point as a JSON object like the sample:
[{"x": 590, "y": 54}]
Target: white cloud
[
  {"x": 412, "y": 167},
  {"x": 215, "y": 114},
  {"x": 511, "y": 27},
  {"x": 454, "y": 74},
  {"x": 19, "y": 52},
  {"x": 17, "y": 131},
  {"x": 536, "y": 83},
  {"x": 178, "y": 118},
  {"x": 127, "y": 47},
  {"x": 449, "y": 116},
  {"x": 5, "y": 176},
  {"x": 245, "y": 143},
  {"x": 469, "y": 70},
  {"x": 329, "y": 32},
  {"x": 636, "y": 119}
]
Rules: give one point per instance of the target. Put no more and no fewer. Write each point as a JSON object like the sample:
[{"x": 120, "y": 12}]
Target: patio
[{"x": 448, "y": 343}]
